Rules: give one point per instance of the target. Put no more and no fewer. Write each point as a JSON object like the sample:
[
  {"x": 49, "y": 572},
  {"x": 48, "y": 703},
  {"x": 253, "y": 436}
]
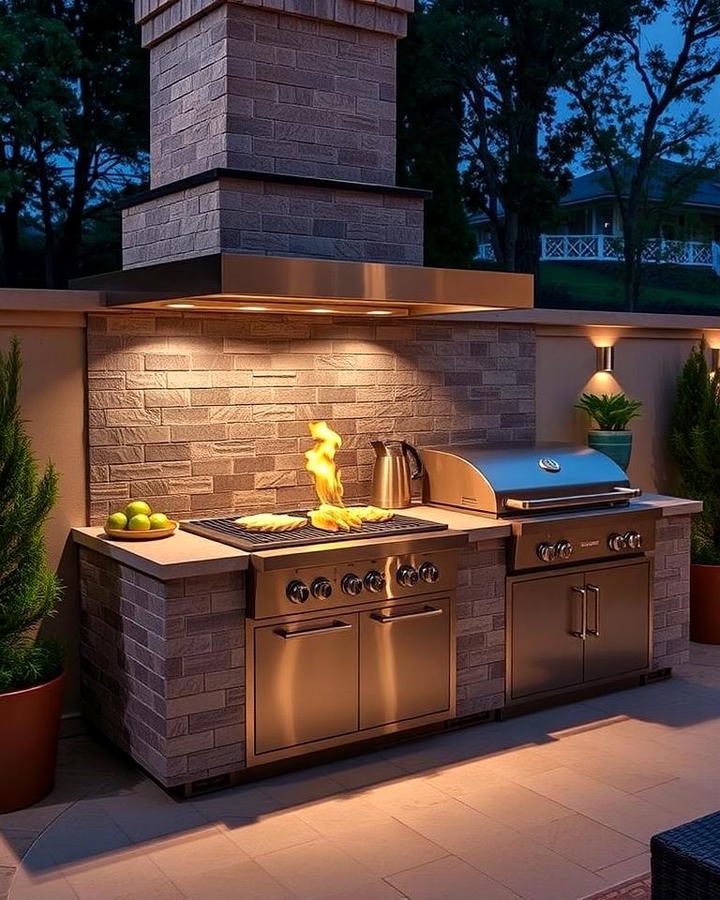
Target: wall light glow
[
  {"x": 380, "y": 312},
  {"x": 181, "y": 306},
  {"x": 253, "y": 308},
  {"x": 322, "y": 311}
]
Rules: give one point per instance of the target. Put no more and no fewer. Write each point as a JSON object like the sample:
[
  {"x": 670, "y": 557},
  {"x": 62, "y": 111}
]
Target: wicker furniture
[{"x": 686, "y": 861}]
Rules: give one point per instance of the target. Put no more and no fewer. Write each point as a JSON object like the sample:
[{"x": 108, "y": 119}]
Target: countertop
[{"x": 185, "y": 555}]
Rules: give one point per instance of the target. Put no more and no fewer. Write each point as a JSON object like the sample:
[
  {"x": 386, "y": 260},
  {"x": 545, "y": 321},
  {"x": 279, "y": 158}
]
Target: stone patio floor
[{"x": 557, "y": 805}]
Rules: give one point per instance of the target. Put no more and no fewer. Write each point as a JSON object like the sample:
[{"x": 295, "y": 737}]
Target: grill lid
[{"x": 512, "y": 480}]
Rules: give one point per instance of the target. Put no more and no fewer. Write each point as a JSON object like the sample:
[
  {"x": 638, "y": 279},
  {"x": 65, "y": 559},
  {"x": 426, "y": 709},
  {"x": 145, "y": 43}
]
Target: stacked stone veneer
[
  {"x": 208, "y": 414},
  {"x": 248, "y": 87},
  {"x": 481, "y": 628},
  {"x": 671, "y": 610},
  {"x": 268, "y": 218},
  {"x": 163, "y": 667},
  {"x": 302, "y": 88}
]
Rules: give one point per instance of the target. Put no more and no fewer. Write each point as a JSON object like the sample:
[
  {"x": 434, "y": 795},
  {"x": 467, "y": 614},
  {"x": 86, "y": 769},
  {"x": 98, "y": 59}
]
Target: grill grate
[{"x": 225, "y": 531}]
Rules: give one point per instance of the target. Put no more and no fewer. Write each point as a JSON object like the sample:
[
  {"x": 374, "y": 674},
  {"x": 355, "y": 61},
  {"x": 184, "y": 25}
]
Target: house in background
[{"x": 589, "y": 227}]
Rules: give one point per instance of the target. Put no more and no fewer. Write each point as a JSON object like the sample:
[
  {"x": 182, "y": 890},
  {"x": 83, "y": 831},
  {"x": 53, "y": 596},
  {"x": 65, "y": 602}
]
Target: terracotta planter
[
  {"x": 30, "y": 723},
  {"x": 705, "y": 604}
]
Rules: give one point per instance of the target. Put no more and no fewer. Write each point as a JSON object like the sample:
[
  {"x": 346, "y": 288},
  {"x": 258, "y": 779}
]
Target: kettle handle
[{"x": 409, "y": 450}]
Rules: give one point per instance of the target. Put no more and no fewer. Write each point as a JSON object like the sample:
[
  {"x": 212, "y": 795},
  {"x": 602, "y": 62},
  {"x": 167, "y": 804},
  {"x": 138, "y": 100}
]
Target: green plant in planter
[
  {"x": 695, "y": 447},
  {"x": 29, "y": 590},
  {"x": 611, "y": 412}
]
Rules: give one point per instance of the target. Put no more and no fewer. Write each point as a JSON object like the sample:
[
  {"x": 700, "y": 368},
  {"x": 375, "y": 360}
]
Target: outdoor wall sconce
[
  {"x": 605, "y": 359},
  {"x": 715, "y": 360}
]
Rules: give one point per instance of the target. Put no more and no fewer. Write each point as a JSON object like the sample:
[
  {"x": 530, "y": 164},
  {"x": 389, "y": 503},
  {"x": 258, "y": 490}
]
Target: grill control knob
[
  {"x": 352, "y": 584},
  {"x": 546, "y": 552},
  {"x": 321, "y": 589},
  {"x": 634, "y": 540},
  {"x": 297, "y": 592},
  {"x": 564, "y": 549},
  {"x": 407, "y": 576},
  {"x": 429, "y": 572},
  {"x": 375, "y": 582},
  {"x": 617, "y": 542}
]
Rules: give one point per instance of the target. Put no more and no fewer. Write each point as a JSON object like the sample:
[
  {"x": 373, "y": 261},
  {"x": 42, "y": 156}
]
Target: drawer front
[
  {"x": 306, "y": 682},
  {"x": 405, "y": 662}
]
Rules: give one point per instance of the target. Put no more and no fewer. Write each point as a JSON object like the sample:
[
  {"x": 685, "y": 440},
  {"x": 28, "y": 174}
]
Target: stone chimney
[{"x": 273, "y": 132}]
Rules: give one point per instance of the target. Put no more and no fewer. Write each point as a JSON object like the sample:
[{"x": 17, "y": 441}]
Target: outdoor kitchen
[
  {"x": 321, "y": 502},
  {"x": 310, "y": 600}
]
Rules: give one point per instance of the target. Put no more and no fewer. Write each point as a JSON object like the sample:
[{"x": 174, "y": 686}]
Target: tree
[
  {"x": 86, "y": 138},
  {"x": 633, "y": 139},
  {"x": 29, "y": 590},
  {"x": 511, "y": 59},
  {"x": 36, "y": 58},
  {"x": 430, "y": 135}
]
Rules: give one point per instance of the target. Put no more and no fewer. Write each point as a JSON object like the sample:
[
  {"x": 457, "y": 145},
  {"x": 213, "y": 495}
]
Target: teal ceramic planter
[{"x": 615, "y": 444}]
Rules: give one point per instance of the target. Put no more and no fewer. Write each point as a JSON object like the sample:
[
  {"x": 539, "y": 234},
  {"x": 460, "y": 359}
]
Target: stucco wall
[
  {"x": 646, "y": 368},
  {"x": 53, "y": 403}
]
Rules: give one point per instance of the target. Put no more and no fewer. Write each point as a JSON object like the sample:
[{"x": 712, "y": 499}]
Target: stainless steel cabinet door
[
  {"x": 546, "y": 651},
  {"x": 404, "y": 662},
  {"x": 618, "y": 621},
  {"x": 306, "y": 682}
]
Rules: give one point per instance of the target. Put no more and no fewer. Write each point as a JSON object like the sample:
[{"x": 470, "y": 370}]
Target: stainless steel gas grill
[
  {"x": 579, "y": 561},
  {"x": 516, "y": 481}
]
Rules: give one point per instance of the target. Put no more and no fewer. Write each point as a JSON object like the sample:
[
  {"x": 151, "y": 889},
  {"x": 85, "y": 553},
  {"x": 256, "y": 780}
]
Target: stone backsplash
[{"x": 206, "y": 414}]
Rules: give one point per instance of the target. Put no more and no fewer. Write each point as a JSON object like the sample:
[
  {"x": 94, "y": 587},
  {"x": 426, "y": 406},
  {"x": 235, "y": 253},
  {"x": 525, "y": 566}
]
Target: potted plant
[
  {"x": 612, "y": 414},
  {"x": 695, "y": 446},
  {"x": 31, "y": 680}
]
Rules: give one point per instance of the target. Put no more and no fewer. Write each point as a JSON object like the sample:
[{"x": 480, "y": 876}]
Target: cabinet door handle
[
  {"x": 403, "y": 617},
  {"x": 309, "y": 632},
  {"x": 594, "y": 589},
  {"x": 582, "y": 634}
]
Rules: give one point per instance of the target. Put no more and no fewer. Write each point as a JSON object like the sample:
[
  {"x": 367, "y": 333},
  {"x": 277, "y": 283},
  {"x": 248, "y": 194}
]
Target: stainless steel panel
[
  {"x": 405, "y": 659},
  {"x": 618, "y": 620},
  {"x": 588, "y": 535},
  {"x": 269, "y": 594},
  {"x": 546, "y": 634},
  {"x": 222, "y": 280},
  {"x": 305, "y": 682}
]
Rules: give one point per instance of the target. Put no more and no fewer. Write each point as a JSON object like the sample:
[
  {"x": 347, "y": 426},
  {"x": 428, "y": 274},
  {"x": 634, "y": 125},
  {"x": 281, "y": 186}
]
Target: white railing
[
  {"x": 716, "y": 257},
  {"x": 606, "y": 248}
]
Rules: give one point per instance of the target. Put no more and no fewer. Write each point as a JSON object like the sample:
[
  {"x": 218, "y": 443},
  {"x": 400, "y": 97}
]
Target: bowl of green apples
[{"x": 137, "y": 522}]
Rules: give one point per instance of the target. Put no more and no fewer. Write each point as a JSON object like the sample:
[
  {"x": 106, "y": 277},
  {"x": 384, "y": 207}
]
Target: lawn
[{"x": 599, "y": 286}]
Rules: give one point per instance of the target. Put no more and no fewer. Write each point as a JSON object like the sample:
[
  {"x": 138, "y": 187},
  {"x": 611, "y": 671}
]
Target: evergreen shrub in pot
[
  {"x": 695, "y": 446},
  {"x": 31, "y": 679},
  {"x": 612, "y": 414}
]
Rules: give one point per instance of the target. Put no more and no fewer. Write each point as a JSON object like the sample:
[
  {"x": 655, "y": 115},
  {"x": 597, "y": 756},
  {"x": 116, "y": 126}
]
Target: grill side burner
[{"x": 227, "y": 532}]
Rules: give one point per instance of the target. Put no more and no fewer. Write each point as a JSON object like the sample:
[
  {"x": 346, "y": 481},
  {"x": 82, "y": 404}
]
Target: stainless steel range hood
[{"x": 237, "y": 282}]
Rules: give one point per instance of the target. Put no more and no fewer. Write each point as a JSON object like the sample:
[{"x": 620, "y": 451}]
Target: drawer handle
[
  {"x": 388, "y": 620},
  {"x": 594, "y": 589},
  {"x": 582, "y": 634},
  {"x": 309, "y": 632}
]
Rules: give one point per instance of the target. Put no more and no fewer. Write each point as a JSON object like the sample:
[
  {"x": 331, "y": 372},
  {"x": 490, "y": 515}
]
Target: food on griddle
[
  {"x": 372, "y": 513},
  {"x": 346, "y": 518},
  {"x": 334, "y": 518},
  {"x": 270, "y": 523}
]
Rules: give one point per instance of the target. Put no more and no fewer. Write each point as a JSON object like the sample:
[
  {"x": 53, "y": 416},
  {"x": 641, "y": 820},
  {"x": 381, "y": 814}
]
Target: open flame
[
  {"x": 320, "y": 462},
  {"x": 332, "y": 514}
]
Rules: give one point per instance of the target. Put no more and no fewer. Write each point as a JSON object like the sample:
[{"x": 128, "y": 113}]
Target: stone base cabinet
[{"x": 164, "y": 660}]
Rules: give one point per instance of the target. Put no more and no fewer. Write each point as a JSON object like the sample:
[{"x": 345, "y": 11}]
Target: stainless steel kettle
[{"x": 392, "y": 474}]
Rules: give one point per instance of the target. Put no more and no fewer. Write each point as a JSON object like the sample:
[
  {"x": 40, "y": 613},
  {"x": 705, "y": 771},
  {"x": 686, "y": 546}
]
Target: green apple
[
  {"x": 117, "y": 522},
  {"x": 137, "y": 508},
  {"x": 139, "y": 522},
  {"x": 159, "y": 520}
]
